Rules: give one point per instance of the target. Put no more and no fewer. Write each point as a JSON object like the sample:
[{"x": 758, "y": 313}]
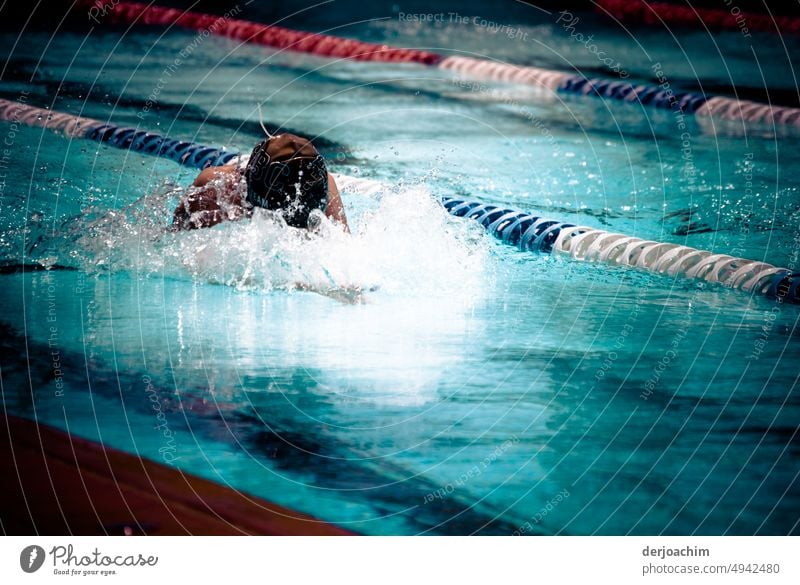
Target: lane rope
[
  {"x": 533, "y": 233},
  {"x": 322, "y": 45},
  {"x": 516, "y": 228},
  {"x": 664, "y": 13},
  {"x": 185, "y": 153}
]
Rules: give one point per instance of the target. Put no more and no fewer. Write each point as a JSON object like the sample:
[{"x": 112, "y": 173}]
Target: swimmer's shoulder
[{"x": 212, "y": 173}]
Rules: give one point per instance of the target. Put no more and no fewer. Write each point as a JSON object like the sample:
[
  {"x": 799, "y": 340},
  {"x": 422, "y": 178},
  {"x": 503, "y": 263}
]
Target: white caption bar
[{"x": 403, "y": 560}]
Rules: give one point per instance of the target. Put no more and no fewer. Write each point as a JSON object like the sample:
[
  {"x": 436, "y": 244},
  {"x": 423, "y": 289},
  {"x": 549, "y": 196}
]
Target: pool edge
[{"x": 60, "y": 484}]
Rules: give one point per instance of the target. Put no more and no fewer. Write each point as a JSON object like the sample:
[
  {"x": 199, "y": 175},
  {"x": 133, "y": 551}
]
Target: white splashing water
[{"x": 404, "y": 243}]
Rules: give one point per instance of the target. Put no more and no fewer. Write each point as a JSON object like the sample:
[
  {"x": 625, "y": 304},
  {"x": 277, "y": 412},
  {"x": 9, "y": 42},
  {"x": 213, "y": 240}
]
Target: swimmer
[{"x": 285, "y": 174}]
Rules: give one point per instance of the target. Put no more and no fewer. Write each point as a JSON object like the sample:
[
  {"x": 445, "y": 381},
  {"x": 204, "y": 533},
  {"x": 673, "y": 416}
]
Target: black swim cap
[{"x": 286, "y": 174}]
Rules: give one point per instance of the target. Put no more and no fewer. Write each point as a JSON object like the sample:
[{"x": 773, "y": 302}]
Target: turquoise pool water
[{"x": 479, "y": 389}]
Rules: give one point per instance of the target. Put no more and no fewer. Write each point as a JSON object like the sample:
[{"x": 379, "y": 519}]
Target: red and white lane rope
[
  {"x": 494, "y": 71},
  {"x": 124, "y": 12},
  {"x": 114, "y": 12}
]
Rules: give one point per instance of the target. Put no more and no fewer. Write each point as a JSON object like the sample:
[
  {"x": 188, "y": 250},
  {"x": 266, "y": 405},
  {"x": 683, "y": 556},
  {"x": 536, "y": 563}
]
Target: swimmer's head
[{"x": 287, "y": 175}]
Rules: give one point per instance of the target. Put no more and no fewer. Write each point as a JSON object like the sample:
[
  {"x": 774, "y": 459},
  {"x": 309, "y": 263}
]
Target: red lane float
[
  {"x": 659, "y": 13},
  {"x": 252, "y": 32}
]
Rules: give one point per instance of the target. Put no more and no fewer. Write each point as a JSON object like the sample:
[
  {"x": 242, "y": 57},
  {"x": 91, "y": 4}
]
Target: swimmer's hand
[{"x": 350, "y": 294}]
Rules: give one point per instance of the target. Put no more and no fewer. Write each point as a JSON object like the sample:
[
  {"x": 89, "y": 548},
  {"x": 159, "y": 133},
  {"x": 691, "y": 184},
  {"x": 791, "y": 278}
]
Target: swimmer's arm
[
  {"x": 335, "y": 208},
  {"x": 201, "y": 208},
  {"x": 350, "y": 295}
]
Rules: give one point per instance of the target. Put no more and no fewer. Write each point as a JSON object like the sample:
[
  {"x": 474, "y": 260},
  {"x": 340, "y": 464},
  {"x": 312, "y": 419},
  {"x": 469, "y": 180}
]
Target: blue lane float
[
  {"x": 649, "y": 95},
  {"x": 516, "y": 228},
  {"x": 189, "y": 154},
  {"x": 526, "y": 231}
]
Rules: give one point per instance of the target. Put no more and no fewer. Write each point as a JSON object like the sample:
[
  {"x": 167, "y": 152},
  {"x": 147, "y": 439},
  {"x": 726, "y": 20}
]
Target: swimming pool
[{"x": 480, "y": 389}]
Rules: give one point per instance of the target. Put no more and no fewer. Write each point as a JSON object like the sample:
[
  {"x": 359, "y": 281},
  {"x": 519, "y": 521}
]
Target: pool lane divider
[
  {"x": 666, "y": 14},
  {"x": 323, "y": 45},
  {"x": 189, "y": 154},
  {"x": 538, "y": 234},
  {"x": 517, "y": 228}
]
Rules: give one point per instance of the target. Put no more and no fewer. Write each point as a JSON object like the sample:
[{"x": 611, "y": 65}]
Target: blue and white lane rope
[
  {"x": 513, "y": 227},
  {"x": 185, "y": 153},
  {"x": 539, "y": 234},
  {"x": 658, "y": 96}
]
